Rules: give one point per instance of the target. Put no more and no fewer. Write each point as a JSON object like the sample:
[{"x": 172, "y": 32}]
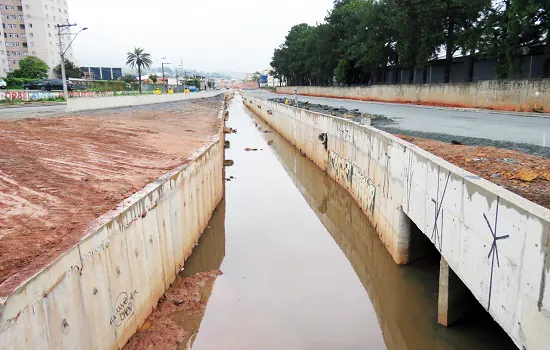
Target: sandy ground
[
  {"x": 59, "y": 174},
  {"x": 523, "y": 174},
  {"x": 175, "y": 322}
]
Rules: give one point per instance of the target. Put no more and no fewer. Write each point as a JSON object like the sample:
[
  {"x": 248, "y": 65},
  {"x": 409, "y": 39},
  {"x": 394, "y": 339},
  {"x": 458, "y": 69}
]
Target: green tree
[
  {"x": 290, "y": 59},
  {"x": 361, "y": 38},
  {"x": 372, "y": 47},
  {"x": 513, "y": 27},
  {"x": 139, "y": 59},
  {"x": 153, "y": 77},
  {"x": 417, "y": 35},
  {"x": 128, "y": 78},
  {"x": 344, "y": 21},
  {"x": 456, "y": 17},
  {"x": 71, "y": 70},
  {"x": 30, "y": 67}
]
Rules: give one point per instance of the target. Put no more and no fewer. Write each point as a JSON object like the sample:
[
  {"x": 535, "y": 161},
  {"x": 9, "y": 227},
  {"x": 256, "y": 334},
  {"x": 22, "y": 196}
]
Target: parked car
[
  {"x": 48, "y": 85},
  {"x": 3, "y": 84},
  {"x": 41, "y": 85},
  {"x": 57, "y": 84}
]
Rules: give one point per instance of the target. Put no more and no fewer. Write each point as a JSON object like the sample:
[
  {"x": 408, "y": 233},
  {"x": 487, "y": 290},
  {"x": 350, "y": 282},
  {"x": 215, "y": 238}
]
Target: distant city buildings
[
  {"x": 264, "y": 78},
  {"x": 28, "y": 29},
  {"x": 100, "y": 73}
]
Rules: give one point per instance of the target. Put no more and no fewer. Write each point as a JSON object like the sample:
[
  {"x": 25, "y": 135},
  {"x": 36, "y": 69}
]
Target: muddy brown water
[{"x": 303, "y": 269}]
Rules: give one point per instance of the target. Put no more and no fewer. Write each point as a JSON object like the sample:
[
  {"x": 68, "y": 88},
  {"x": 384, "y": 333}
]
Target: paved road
[
  {"x": 38, "y": 111},
  {"x": 7, "y": 113},
  {"x": 514, "y": 127}
]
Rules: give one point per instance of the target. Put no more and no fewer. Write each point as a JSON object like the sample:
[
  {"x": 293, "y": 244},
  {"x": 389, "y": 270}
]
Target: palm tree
[{"x": 139, "y": 59}]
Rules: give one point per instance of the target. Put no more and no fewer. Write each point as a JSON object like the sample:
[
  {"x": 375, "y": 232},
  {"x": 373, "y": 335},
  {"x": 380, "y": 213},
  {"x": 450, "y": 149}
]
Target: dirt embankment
[
  {"x": 59, "y": 174},
  {"x": 523, "y": 174},
  {"x": 175, "y": 322}
]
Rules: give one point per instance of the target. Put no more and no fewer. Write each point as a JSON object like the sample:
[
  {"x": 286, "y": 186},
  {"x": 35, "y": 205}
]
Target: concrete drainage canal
[{"x": 289, "y": 261}]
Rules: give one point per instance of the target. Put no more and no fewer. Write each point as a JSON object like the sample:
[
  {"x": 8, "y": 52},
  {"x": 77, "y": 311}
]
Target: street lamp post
[{"x": 60, "y": 29}]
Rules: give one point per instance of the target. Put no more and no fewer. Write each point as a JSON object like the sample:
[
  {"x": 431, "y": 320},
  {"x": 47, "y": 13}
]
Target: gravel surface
[
  {"x": 472, "y": 141},
  {"x": 338, "y": 111}
]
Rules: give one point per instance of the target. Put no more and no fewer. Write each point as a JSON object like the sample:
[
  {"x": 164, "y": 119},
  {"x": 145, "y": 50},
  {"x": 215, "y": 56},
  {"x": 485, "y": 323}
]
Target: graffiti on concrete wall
[
  {"x": 92, "y": 93},
  {"x": 125, "y": 307},
  {"x": 29, "y": 95},
  {"x": 364, "y": 190},
  {"x": 350, "y": 175},
  {"x": 44, "y": 95},
  {"x": 340, "y": 167},
  {"x": 344, "y": 132}
]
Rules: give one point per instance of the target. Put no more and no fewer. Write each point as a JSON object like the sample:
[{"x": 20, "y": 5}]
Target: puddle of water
[{"x": 303, "y": 268}]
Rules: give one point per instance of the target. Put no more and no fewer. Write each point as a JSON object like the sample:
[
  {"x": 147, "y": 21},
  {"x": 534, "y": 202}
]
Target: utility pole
[
  {"x": 177, "y": 83},
  {"x": 61, "y": 28},
  {"x": 163, "y": 79},
  {"x": 185, "y": 72}
]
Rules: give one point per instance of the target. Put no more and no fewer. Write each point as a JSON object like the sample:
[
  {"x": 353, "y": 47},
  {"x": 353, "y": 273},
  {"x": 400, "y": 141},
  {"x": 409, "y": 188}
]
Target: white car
[{"x": 3, "y": 84}]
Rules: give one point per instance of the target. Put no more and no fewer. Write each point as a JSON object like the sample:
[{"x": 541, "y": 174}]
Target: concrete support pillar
[{"x": 454, "y": 297}]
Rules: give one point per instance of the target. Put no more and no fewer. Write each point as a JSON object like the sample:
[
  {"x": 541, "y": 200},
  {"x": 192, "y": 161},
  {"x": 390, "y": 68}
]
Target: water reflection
[
  {"x": 404, "y": 297},
  {"x": 287, "y": 285},
  {"x": 207, "y": 256}
]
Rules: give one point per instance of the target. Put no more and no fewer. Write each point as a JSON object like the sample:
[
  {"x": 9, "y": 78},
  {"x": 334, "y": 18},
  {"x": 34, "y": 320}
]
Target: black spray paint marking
[
  {"x": 437, "y": 232},
  {"x": 542, "y": 284},
  {"x": 410, "y": 174},
  {"x": 494, "y": 250},
  {"x": 364, "y": 189},
  {"x": 125, "y": 307}
]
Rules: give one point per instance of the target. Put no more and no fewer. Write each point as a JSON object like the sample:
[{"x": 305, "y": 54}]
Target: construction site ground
[{"x": 57, "y": 175}]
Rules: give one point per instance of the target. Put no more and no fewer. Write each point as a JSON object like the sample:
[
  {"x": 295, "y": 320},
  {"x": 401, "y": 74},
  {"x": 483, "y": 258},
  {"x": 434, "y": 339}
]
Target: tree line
[{"x": 359, "y": 39}]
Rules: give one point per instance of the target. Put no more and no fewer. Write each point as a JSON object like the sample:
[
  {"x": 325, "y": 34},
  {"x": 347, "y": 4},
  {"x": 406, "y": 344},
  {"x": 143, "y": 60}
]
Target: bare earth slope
[{"x": 59, "y": 174}]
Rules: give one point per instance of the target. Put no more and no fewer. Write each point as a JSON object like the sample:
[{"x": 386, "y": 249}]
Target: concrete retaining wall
[
  {"x": 495, "y": 241},
  {"x": 97, "y": 294},
  {"x": 82, "y": 104},
  {"x": 514, "y": 95}
]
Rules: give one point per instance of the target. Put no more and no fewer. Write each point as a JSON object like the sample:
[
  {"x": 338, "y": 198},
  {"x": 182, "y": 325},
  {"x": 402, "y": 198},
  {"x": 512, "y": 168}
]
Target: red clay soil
[
  {"x": 175, "y": 322},
  {"x": 59, "y": 174},
  {"x": 523, "y": 174}
]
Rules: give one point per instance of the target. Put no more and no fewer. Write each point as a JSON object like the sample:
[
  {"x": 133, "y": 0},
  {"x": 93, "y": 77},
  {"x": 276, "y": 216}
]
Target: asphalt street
[
  {"x": 31, "y": 111},
  {"x": 526, "y": 128}
]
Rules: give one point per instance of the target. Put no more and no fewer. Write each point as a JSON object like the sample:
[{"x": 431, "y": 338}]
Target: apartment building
[{"x": 27, "y": 28}]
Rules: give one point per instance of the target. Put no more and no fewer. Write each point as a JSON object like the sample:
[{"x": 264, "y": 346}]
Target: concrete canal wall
[
  {"x": 495, "y": 241},
  {"x": 98, "y": 294},
  {"x": 514, "y": 95},
  {"x": 87, "y": 103}
]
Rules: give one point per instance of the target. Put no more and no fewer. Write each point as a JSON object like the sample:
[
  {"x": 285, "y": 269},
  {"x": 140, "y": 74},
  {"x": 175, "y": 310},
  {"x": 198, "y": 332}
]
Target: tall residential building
[{"x": 28, "y": 29}]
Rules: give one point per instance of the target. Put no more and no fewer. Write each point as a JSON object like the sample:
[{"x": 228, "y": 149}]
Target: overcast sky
[{"x": 209, "y": 35}]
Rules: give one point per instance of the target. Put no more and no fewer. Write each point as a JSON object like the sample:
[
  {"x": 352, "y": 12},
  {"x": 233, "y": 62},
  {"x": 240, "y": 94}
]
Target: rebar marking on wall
[
  {"x": 494, "y": 250},
  {"x": 437, "y": 232}
]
